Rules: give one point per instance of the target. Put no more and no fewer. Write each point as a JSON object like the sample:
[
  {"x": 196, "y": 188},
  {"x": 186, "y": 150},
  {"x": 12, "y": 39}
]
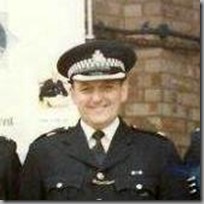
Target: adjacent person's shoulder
[{"x": 7, "y": 144}]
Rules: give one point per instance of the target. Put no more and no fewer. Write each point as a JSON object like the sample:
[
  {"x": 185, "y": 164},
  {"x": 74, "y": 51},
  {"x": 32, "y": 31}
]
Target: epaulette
[
  {"x": 142, "y": 130},
  {"x": 196, "y": 130},
  {"x": 159, "y": 133},
  {"x": 150, "y": 132},
  {"x": 53, "y": 132}
]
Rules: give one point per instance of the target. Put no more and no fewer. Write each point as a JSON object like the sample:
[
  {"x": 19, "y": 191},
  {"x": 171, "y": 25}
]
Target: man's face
[{"x": 99, "y": 102}]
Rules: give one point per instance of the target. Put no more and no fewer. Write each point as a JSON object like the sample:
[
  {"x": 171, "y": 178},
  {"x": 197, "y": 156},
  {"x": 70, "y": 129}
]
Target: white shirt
[{"x": 109, "y": 132}]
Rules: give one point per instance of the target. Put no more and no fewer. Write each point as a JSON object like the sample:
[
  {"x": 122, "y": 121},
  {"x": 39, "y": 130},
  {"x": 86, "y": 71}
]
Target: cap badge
[
  {"x": 98, "y": 57},
  {"x": 97, "y": 62}
]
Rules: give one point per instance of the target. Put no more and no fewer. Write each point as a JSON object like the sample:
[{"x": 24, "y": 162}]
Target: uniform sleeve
[
  {"x": 14, "y": 177},
  {"x": 11, "y": 167},
  {"x": 31, "y": 185},
  {"x": 193, "y": 167},
  {"x": 193, "y": 154},
  {"x": 173, "y": 177}
]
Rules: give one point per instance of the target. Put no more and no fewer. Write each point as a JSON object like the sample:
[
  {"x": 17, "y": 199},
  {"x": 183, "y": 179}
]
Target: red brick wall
[{"x": 164, "y": 92}]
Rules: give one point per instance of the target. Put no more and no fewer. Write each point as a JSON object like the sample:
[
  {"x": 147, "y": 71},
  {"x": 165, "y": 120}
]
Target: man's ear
[
  {"x": 125, "y": 87},
  {"x": 72, "y": 93}
]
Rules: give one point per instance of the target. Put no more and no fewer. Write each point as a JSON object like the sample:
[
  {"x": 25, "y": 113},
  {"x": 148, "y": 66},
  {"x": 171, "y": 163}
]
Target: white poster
[{"x": 33, "y": 34}]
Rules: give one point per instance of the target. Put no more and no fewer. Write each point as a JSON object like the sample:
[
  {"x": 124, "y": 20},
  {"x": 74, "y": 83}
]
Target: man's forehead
[{"x": 94, "y": 83}]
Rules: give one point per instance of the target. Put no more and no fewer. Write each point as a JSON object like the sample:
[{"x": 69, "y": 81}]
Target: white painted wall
[{"x": 38, "y": 31}]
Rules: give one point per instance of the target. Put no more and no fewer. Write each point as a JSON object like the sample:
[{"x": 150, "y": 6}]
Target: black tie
[{"x": 98, "y": 148}]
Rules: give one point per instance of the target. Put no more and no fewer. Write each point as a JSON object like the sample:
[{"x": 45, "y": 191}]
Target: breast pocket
[
  {"x": 63, "y": 188},
  {"x": 137, "y": 188}
]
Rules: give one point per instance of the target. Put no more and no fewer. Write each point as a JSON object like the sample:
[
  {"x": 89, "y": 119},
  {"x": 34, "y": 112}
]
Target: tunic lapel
[{"x": 78, "y": 146}]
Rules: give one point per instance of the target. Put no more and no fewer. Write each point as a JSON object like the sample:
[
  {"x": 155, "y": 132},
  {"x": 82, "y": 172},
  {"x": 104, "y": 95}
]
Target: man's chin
[{"x": 98, "y": 124}]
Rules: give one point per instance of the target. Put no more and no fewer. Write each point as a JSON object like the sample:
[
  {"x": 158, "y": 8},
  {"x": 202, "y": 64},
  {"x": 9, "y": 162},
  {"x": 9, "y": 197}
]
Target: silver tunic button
[
  {"x": 140, "y": 172},
  {"x": 59, "y": 185},
  {"x": 139, "y": 186},
  {"x": 100, "y": 176}
]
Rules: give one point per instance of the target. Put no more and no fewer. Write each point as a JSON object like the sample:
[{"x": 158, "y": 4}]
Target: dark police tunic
[
  {"x": 138, "y": 166},
  {"x": 10, "y": 167}
]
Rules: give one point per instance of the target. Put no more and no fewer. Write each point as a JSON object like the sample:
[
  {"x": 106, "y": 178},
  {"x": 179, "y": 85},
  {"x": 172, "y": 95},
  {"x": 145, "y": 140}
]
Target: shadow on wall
[{"x": 3, "y": 39}]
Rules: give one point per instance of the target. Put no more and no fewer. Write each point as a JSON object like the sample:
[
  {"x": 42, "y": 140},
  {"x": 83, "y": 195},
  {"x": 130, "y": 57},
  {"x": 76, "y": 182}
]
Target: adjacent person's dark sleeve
[
  {"x": 192, "y": 165},
  {"x": 10, "y": 171},
  {"x": 173, "y": 178}
]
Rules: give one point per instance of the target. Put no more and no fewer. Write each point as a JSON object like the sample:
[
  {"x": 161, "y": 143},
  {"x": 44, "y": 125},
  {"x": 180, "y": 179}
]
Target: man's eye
[
  {"x": 108, "y": 87},
  {"x": 85, "y": 89}
]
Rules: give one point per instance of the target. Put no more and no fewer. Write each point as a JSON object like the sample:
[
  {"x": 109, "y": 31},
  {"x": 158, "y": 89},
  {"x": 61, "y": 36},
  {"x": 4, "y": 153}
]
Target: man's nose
[{"x": 97, "y": 96}]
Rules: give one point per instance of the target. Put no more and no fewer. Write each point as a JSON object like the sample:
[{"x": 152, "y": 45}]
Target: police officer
[
  {"x": 10, "y": 167},
  {"x": 101, "y": 158}
]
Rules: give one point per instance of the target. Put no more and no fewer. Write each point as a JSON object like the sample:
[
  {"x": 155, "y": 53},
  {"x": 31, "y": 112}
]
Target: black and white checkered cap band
[{"x": 97, "y": 61}]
